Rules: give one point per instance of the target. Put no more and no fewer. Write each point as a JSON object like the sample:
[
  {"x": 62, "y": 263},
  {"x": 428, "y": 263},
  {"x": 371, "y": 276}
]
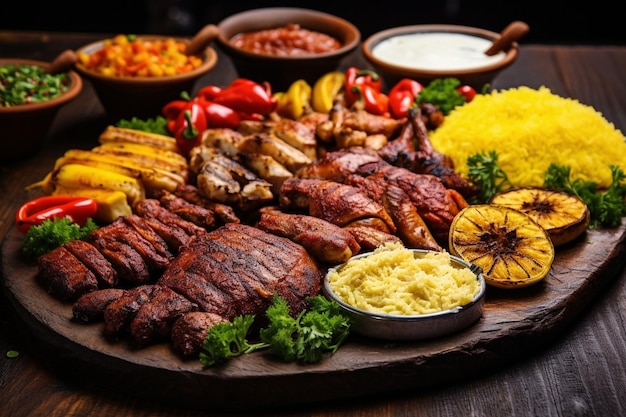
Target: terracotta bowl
[
  {"x": 281, "y": 71},
  {"x": 476, "y": 77},
  {"x": 411, "y": 327},
  {"x": 23, "y": 128},
  {"x": 143, "y": 97}
]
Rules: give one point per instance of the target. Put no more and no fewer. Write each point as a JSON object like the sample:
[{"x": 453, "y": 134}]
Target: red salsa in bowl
[{"x": 287, "y": 40}]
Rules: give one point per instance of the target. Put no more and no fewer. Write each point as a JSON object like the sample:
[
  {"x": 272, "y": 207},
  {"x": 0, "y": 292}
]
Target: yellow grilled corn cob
[
  {"x": 152, "y": 177},
  {"x": 83, "y": 176},
  {"x": 111, "y": 204},
  {"x": 124, "y": 135}
]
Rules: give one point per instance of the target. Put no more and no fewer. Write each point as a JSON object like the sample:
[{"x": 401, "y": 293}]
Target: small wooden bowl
[
  {"x": 476, "y": 77},
  {"x": 23, "y": 128},
  {"x": 143, "y": 97},
  {"x": 281, "y": 71}
]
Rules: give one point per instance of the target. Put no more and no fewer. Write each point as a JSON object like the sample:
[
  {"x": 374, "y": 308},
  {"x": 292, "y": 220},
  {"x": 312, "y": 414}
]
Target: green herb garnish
[
  {"x": 487, "y": 175},
  {"x": 606, "y": 208},
  {"x": 157, "y": 125},
  {"x": 24, "y": 84},
  {"x": 318, "y": 330},
  {"x": 52, "y": 233},
  {"x": 442, "y": 92}
]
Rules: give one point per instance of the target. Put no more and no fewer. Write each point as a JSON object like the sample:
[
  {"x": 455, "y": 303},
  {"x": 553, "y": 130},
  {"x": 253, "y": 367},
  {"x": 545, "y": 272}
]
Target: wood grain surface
[{"x": 513, "y": 322}]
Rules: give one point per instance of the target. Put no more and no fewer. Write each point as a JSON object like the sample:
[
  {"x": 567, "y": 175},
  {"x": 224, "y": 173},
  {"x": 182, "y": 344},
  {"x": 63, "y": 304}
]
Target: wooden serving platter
[{"x": 514, "y": 323}]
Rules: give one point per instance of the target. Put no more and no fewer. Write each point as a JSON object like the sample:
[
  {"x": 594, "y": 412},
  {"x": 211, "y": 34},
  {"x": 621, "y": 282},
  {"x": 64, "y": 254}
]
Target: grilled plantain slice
[
  {"x": 510, "y": 247},
  {"x": 564, "y": 216}
]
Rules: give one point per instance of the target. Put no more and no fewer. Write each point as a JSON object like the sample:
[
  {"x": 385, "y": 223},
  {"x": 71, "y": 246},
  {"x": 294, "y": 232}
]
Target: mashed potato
[
  {"x": 393, "y": 281},
  {"x": 530, "y": 129}
]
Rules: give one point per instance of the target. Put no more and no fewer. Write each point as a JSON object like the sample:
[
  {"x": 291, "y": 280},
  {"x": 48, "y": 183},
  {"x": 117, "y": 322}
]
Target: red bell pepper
[
  {"x": 246, "y": 97},
  {"x": 34, "y": 212},
  {"x": 373, "y": 101},
  {"x": 190, "y": 125},
  {"x": 356, "y": 77},
  {"x": 217, "y": 115},
  {"x": 402, "y": 97}
]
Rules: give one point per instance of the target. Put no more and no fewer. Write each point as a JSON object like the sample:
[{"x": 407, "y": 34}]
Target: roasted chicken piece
[
  {"x": 369, "y": 238},
  {"x": 327, "y": 242},
  {"x": 346, "y": 128},
  {"x": 340, "y": 164},
  {"x": 267, "y": 168},
  {"x": 225, "y": 140},
  {"x": 222, "y": 179},
  {"x": 332, "y": 201},
  {"x": 413, "y": 150},
  {"x": 268, "y": 144}
]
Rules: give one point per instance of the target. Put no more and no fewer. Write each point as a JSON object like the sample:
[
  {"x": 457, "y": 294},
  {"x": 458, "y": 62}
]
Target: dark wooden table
[{"x": 581, "y": 372}]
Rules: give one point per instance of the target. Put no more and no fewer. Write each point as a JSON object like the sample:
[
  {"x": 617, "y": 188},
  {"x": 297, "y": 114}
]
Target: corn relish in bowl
[{"x": 135, "y": 75}]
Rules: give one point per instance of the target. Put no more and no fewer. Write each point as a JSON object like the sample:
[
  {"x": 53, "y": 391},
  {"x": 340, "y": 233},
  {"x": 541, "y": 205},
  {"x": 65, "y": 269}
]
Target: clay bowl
[
  {"x": 24, "y": 127},
  {"x": 281, "y": 71},
  {"x": 427, "y": 63},
  {"x": 144, "y": 96},
  {"x": 411, "y": 327}
]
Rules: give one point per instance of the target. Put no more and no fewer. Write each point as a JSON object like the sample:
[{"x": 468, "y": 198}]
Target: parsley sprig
[
  {"x": 606, "y": 208},
  {"x": 318, "y": 330},
  {"x": 484, "y": 171}
]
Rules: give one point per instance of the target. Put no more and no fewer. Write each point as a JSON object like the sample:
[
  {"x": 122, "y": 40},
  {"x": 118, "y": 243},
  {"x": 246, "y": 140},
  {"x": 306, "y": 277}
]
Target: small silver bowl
[{"x": 415, "y": 327}]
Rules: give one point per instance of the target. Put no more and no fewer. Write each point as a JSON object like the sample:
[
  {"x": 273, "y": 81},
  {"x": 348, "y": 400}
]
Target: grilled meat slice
[
  {"x": 173, "y": 235},
  {"x": 225, "y": 140},
  {"x": 224, "y": 212},
  {"x": 236, "y": 269},
  {"x": 335, "y": 202},
  {"x": 190, "y": 329},
  {"x": 128, "y": 263},
  {"x": 268, "y": 144},
  {"x": 120, "y": 312},
  {"x": 196, "y": 214},
  {"x": 369, "y": 238},
  {"x": 90, "y": 307},
  {"x": 64, "y": 276},
  {"x": 155, "y": 318},
  {"x": 327, "y": 242},
  {"x": 152, "y": 208},
  {"x": 141, "y": 226},
  {"x": 267, "y": 168},
  {"x": 95, "y": 261},
  {"x": 122, "y": 236}
]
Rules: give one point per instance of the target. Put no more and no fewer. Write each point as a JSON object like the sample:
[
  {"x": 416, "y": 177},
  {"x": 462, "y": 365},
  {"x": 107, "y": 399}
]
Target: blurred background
[{"x": 550, "y": 21}]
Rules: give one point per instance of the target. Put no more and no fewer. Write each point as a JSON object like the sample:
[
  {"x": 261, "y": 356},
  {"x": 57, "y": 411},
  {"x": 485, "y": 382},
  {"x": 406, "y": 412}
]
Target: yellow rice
[
  {"x": 391, "y": 280},
  {"x": 529, "y": 129}
]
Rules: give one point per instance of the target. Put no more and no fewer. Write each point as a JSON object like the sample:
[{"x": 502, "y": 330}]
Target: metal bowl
[{"x": 417, "y": 327}]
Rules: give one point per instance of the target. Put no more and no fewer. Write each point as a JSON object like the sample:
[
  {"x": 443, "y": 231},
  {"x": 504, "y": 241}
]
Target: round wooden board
[{"x": 514, "y": 323}]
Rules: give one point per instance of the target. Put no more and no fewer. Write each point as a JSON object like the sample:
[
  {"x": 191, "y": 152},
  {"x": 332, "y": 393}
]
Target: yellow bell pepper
[
  {"x": 326, "y": 89},
  {"x": 295, "y": 100}
]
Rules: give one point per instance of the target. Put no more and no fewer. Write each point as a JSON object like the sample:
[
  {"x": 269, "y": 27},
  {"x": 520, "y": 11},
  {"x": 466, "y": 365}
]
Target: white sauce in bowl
[{"x": 436, "y": 51}]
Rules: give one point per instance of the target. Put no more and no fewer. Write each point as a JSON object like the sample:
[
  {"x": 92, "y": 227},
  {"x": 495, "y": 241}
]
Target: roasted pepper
[
  {"x": 248, "y": 98},
  {"x": 34, "y": 212},
  {"x": 190, "y": 125},
  {"x": 356, "y": 78},
  {"x": 295, "y": 100},
  {"x": 217, "y": 115},
  {"x": 372, "y": 101},
  {"x": 402, "y": 97},
  {"x": 326, "y": 89}
]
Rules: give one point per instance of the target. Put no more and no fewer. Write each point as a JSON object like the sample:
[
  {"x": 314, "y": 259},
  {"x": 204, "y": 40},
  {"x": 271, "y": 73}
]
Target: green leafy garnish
[
  {"x": 52, "y": 233},
  {"x": 606, "y": 208},
  {"x": 157, "y": 125},
  {"x": 442, "y": 92},
  {"x": 483, "y": 170},
  {"x": 306, "y": 338}
]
